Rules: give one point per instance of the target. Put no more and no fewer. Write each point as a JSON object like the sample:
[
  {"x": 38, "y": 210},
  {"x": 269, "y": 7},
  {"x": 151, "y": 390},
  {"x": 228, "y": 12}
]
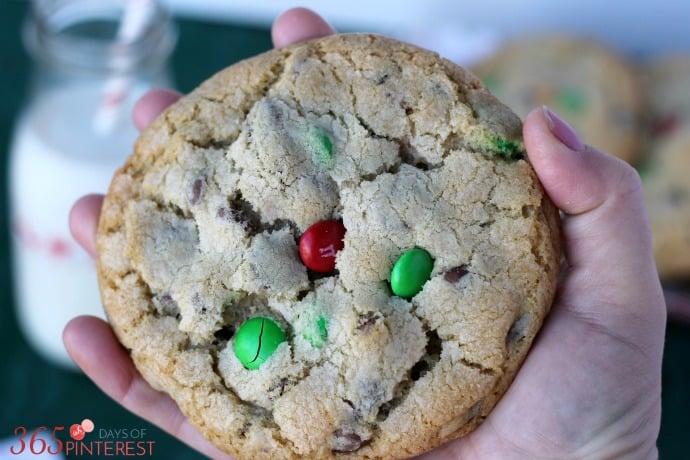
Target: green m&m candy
[
  {"x": 256, "y": 340},
  {"x": 410, "y": 272}
]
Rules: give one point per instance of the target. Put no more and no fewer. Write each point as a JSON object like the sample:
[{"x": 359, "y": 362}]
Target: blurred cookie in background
[
  {"x": 596, "y": 90},
  {"x": 665, "y": 167},
  {"x": 667, "y": 85},
  {"x": 667, "y": 193}
]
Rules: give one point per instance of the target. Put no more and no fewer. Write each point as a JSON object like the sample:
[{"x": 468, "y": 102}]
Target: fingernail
[{"x": 562, "y": 130}]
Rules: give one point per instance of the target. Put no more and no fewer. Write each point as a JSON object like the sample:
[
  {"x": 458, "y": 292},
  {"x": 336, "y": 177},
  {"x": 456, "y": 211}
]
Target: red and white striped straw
[{"x": 136, "y": 17}]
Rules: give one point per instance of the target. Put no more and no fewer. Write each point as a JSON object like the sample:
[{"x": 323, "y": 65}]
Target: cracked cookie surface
[{"x": 200, "y": 231}]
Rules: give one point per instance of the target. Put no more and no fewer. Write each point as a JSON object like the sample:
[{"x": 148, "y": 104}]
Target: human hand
[{"x": 590, "y": 386}]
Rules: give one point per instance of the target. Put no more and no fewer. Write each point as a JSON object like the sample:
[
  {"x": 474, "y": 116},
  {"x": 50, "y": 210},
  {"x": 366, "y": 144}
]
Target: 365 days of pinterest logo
[
  {"x": 79, "y": 430},
  {"x": 84, "y": 441}
]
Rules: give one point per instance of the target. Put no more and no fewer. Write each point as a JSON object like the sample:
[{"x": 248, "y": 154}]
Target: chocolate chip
[
  {"x": 346, "y": 441},
  {"x": 367, "y": 319},
  {"x": 197, "y": 190},
  {"x": 455, "y": 274},
  {"x": 165, "y": 304},
  {"x": 164, "y": 298}
]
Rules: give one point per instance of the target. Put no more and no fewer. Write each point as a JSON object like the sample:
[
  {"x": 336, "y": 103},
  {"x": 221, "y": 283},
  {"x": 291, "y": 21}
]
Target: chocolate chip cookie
[
  {"x": 591, "y": 86},
  {"x": 336, "y": 249},
  {"x": 667, "y": 194},
  {"x": 666, "y": 165},
  {"x": 667, "y": 85}
]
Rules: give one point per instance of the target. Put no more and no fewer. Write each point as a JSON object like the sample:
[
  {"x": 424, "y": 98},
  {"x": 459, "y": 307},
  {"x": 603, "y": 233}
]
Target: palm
[
  {"x": 564, "y": 378},
  {"x": 554, "y": 406}
]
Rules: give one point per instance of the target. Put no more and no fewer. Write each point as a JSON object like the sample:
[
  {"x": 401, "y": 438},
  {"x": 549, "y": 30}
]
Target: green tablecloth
[{"x": 35, "y": 393}]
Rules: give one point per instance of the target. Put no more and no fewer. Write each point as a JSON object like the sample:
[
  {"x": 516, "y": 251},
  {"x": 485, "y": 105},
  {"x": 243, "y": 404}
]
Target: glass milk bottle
[{"x": 92, "y": 60}]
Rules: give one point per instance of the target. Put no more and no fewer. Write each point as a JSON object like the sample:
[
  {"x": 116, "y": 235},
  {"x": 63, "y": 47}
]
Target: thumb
[
  {"x": 611, "y": 277},
  {"x": 605, "y": 223}
]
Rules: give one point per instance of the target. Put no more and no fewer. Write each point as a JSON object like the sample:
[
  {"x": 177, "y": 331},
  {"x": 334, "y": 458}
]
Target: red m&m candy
[{"x": 320, "y": 243}]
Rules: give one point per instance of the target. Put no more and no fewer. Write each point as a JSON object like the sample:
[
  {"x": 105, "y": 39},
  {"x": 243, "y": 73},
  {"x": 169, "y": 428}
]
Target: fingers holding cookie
[
  {"x": 84, "y": 215},
  {"x": 91, "y": 342},
  {"x": 83, "y": 220},
  {"x": 298, "y": 24},
  {"x": 601, "y": 193},
  {"x": 152, "y": 104},
  {"x": 606, "y": 232}
]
